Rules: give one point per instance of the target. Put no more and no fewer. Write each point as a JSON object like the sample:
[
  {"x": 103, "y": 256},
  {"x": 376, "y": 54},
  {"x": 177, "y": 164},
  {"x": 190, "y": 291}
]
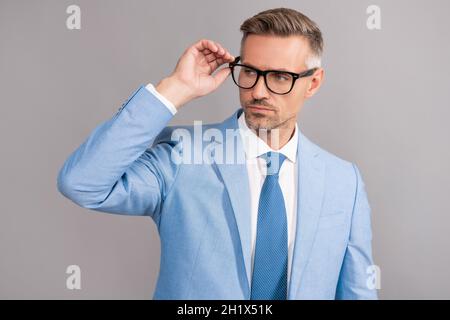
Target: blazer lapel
[
  {"x": 235, "y": 178},
  {"x": 311, "y": 174}
]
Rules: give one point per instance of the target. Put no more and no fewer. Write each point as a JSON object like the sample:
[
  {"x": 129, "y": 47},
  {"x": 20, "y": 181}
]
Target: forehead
[{"x": 274, "y": 52}]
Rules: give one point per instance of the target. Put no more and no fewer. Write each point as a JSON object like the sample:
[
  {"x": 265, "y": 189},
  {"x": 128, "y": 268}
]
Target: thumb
[{"x": 221, "y": 76}]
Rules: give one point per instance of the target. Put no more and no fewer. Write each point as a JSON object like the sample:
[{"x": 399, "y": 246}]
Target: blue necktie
[{"x": 269, "y": 280}]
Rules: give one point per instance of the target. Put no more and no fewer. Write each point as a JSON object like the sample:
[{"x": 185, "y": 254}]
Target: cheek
[
  {"x": 244, "y": 96},
  {"x": 291, "y": 105},
  {"x": 297, "y": 98}
]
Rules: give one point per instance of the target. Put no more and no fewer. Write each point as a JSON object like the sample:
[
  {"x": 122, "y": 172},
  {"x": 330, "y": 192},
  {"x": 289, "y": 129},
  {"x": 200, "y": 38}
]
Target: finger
[
  {"x": 220, "y": 76},
  {"x": 212, "y": 50},
  {"x": 212, "y": 46},
  {"x": 224, "y": 53},
  {"x": 209, "y": 46},
  {"x": 221, "y": 51},
  {"x": 216, "y": 63},
  {"x": 210, "y": 57},
  {"x": 206, "y": 51},
  {"x": 208, "y": 54},
  {"x": 213, "y": 65},
  {"x": 206, "y": 44},
  {"x": 220, "y": 61},
  {"x": 228, "y": 57}
]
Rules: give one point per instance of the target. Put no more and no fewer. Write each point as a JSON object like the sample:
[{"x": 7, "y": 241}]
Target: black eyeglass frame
[{"x": 294, "y": 75}]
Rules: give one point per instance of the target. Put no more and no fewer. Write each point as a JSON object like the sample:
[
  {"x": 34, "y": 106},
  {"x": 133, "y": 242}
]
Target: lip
[{"x": 258, "y": 108}]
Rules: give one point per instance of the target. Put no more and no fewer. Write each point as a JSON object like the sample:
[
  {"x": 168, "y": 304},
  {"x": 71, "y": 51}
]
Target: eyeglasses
[{"x": 277, "y": 81}]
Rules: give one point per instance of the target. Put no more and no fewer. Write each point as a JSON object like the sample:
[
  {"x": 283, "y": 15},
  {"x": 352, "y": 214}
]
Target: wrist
[{"x": 174, "y": 91}]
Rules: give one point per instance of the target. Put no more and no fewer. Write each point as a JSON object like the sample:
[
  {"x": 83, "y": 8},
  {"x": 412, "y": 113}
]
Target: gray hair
[{"x": 286, "y": 22}]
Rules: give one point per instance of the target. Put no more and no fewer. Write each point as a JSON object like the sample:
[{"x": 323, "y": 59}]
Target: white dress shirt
[
  {"x": 256, "y": 168},
  {"x": 150, "y": 87}
]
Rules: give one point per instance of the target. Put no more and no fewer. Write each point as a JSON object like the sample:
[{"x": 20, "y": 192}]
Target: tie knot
[{"x": 274, "y": 160}]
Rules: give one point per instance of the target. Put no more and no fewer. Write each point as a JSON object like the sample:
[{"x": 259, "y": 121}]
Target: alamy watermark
[
  {"x": 73, "y": 281},
  {"x": 198, "y": 146}
]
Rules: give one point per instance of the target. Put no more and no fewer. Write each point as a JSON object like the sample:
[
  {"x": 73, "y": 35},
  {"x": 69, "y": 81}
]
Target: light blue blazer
[{"x": 202, "y": 211}]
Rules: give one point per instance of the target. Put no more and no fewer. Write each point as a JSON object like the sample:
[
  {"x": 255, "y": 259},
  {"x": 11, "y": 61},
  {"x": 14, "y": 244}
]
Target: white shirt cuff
[{"x": 150, "y": 87}]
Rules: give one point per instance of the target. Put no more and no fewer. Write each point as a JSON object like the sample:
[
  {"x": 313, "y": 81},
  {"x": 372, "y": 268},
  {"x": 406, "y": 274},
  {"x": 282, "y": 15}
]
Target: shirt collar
[{"x": 254, "y": 146}]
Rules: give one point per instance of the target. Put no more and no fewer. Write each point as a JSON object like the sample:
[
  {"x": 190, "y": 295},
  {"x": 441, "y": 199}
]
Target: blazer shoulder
[{"x": 336, "y": 167}]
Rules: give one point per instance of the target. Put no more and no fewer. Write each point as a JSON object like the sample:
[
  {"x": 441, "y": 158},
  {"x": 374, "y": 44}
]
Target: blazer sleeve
[
  {"x": 118, "y": 169},
  {"x": 356, "y": 277}
]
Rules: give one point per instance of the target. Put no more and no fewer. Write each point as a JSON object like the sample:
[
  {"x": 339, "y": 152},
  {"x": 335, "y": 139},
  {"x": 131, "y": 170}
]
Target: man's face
[{"x": 274, "y": 53}]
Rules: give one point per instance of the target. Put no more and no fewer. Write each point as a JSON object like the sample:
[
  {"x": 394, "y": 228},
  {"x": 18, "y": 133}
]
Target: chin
[
  {"x": 258, "y": 121},
  {"x": 260, "y": 125}
]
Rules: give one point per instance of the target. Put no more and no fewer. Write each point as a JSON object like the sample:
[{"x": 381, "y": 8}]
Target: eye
[
  {"x": 249, "y": 71},
  {"x": 282, "y": 76}
]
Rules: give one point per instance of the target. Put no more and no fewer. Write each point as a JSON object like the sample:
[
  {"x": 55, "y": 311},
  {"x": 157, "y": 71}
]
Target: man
[{"x": 290, "y": 221}]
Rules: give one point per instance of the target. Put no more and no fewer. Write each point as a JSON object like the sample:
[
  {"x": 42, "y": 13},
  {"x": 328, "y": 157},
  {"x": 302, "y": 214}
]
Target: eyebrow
[{"x": 277, "y": 69}]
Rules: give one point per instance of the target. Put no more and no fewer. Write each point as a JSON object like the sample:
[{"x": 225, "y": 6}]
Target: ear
[{"x": 315, "y": 83}]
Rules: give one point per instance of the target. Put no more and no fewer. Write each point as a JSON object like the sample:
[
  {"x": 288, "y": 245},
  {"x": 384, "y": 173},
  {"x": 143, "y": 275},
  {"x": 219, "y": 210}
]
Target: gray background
[{"x": 384, "y": 105}]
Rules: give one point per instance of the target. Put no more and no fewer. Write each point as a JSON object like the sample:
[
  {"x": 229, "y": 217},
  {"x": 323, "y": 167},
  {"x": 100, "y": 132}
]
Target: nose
[{"x": 260, "y": 91}]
